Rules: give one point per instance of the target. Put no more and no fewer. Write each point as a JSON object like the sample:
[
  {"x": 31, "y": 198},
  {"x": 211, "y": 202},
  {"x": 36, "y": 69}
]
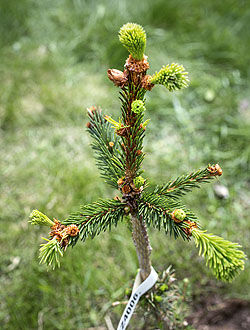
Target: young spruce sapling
[{"x": 118, "y": 149}]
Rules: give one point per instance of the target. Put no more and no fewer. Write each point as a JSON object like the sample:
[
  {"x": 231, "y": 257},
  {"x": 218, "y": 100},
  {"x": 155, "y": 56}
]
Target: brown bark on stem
[{"x": 142, "y": 245}]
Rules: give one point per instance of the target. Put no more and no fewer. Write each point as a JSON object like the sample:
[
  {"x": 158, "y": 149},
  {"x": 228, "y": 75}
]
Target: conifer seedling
[{"x": 118, "y": 148}]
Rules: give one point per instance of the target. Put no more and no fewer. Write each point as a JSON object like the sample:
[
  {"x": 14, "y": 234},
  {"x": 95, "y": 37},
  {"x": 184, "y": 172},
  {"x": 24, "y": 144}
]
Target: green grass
[{"x": 53, "y": 63}]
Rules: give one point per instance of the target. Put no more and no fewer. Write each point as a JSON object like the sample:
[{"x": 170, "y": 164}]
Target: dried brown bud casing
[
  {"x": 191, "y": 226},
  {"x": 57, "y": 225},
  {"x": 146, "y": 84},
  {"x": 72, "y": 230},
  {"x": 120, "y": 181},
  {"x": 118, "y": 77},
  {"x": 136, "y": 191},
  {"x": 143, "y": 127},
  {"x": 121, "y": 132},
  {"x": 56, "y": 233},
  {"x": 215, "y": 170},
  {"x": 137, "y": 66},
  {"x": 60, "y": 232},
  {"x": 126, "y": 189}
]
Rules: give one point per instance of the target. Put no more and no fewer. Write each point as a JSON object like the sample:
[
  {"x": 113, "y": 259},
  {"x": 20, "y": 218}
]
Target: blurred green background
[{"x": 53, "y": 61}]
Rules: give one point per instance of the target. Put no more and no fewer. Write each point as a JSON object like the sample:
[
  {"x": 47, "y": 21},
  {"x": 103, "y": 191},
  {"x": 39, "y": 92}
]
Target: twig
[{"x": 109, "y": 322}]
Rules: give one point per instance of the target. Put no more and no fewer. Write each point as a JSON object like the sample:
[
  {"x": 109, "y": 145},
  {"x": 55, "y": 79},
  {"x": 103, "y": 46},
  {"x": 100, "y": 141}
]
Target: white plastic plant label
[{"x": 138, "y": 290}]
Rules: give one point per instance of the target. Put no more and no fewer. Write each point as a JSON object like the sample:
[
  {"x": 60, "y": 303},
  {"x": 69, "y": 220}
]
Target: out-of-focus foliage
[{"x": 53, "y": 62}]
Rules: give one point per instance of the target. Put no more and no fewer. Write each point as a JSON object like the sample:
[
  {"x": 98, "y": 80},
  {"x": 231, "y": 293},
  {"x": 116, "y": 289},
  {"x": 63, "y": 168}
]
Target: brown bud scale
[
  {"x": 118, "y": 77},
  {"x": 192, "y": 225},
  {"x": 121, "y": 132},
  {"x": 72, "y": 230},
  {"x": 137, "y": 66},
  {"x": 215, "y": 170},
  {"x": 146, "y": 84},
  {"x": 126, "y": 189},
  {"x": 120, "y": 181}
]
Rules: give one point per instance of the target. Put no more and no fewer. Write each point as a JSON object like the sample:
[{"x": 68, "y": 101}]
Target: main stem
[
  {"x": 142, "y": 245},
  {"x": 139, "y": 234}
]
